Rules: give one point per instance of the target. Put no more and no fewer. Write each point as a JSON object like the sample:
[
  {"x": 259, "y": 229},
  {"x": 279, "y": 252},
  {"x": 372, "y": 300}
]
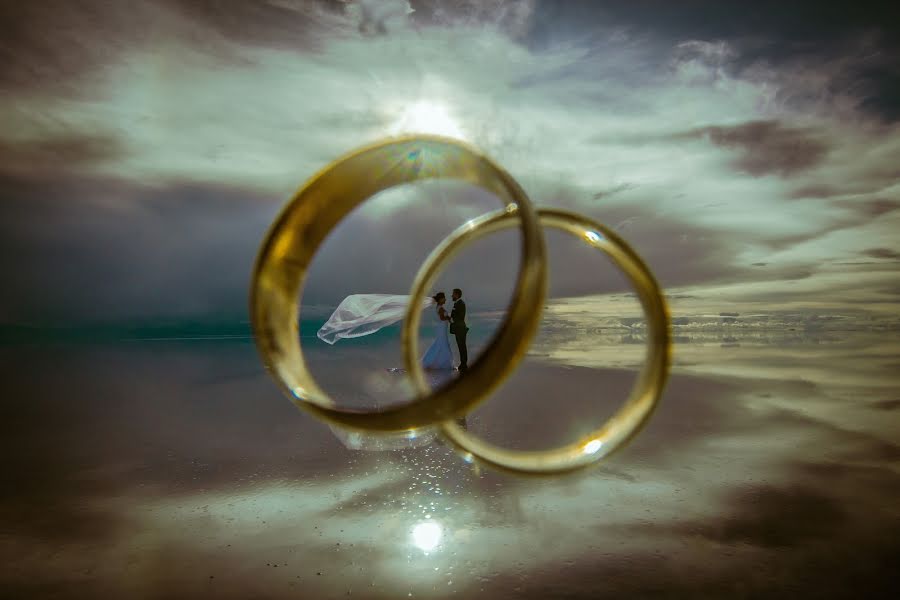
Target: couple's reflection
[
  {"x": 387, "y": 441},
  {"x": 437, "y": 379},
  {"x": 400, "y": 440},
  {"x": 423, "y": 455}
]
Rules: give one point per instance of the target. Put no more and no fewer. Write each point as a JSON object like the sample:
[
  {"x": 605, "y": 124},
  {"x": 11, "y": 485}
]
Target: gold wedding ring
[
  {"x": 288, "y": 249},
  {"x": 292, "y": 241},
  {"x": 627, "y": 421}
]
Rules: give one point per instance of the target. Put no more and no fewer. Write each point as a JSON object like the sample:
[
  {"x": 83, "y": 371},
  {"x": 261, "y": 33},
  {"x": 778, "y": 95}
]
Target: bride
[
  {"x": 438, "y": 357},
  {"x": 363, "y": 314}
]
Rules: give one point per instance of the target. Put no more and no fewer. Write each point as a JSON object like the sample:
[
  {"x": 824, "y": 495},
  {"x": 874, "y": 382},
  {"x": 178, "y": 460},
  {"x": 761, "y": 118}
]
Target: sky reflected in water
[{"x": 160, "y": 468}]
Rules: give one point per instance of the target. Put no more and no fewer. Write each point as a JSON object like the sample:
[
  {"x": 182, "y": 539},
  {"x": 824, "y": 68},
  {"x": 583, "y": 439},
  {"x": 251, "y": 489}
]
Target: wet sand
[{"x": 176, "y": 469}]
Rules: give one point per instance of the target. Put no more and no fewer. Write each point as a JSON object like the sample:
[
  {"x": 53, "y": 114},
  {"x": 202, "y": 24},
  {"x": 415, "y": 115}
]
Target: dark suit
[{"x": 459, "y": 329}]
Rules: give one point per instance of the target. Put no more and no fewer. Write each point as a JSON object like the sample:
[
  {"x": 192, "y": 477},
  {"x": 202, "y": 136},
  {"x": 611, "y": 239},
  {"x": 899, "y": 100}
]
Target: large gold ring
[
  {"x": 623, "y": 425},
  {"x": 288, "y": 249}
]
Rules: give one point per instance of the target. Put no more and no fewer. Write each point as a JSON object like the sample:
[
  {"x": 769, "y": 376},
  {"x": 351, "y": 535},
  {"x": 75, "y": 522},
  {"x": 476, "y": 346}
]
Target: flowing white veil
[
  {"x": 363, "y": 314},
  {"x": 356, "y": 316}
]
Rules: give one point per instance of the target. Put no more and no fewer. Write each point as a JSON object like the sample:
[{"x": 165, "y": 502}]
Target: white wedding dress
[
  {"x": 363, "y": 314},
  {"x": 439, "y": 357}
]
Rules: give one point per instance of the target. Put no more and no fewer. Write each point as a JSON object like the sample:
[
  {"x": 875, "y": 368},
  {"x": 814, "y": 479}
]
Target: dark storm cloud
[
  {"x": 55, "y": 46},
  {"x": 762, "y": 33},
  {"x": 886, "y": 404},
  {"x": 58, "y": 154},
  {"x": 816, "y": 190},
  {"x": 60, "y": 49},
  {"x": 887, "y": 253},
  {"x": 679, "y": 252},
  {"x": 868, "y": 181},
  {"x": 296, "y": 25},
  {"x": 768, "y": 147},
  {"x": 116, "y": 250},
  {"x": 50, "y": 43},
  {"x": 289, "y": 25},
  {"x": 801, "y": 25},
  {"x": 510, "y": 16},
  {"x": 102, "y": 249}
]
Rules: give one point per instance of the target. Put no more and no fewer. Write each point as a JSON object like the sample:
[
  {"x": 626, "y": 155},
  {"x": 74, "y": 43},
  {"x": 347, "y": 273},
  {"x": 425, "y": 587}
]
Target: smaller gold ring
[{"x": 651, "y": 380}]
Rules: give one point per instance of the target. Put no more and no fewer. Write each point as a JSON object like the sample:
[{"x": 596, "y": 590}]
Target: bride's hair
[{"x": 439, "y": 296}]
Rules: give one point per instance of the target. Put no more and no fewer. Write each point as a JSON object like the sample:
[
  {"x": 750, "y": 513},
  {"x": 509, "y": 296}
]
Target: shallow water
[{"x": 176, "y": 469}]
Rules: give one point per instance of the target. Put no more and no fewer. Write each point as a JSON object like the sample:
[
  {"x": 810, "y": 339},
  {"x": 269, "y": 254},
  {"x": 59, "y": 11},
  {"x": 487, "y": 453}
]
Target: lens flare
[{"x": 592, "y": 446}]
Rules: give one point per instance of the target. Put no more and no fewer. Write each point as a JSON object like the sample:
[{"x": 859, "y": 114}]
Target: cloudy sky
[{"x": 145, "y": 146}]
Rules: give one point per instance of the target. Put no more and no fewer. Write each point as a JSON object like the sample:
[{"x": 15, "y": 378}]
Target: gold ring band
[
  {"x": 295, "y": 236},
  {"x": 627, "y": 421}
]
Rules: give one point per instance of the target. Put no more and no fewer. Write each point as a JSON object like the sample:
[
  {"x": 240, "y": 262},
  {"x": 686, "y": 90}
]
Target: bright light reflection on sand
[{"x": 427, "y": 535}]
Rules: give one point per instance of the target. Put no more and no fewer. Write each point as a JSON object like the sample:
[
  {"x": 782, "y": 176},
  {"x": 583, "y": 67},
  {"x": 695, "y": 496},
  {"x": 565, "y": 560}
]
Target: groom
[{"x": 459, "y": 329}]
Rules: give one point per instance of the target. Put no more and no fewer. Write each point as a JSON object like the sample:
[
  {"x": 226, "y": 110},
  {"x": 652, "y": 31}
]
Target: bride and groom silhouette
[
  {"x": 364, "y": 314},
  {"x": 439, "y": 356}
]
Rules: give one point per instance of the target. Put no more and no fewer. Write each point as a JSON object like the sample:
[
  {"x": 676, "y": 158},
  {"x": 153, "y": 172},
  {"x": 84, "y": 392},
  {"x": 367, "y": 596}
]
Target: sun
[{"x": 426, "y": 116}]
